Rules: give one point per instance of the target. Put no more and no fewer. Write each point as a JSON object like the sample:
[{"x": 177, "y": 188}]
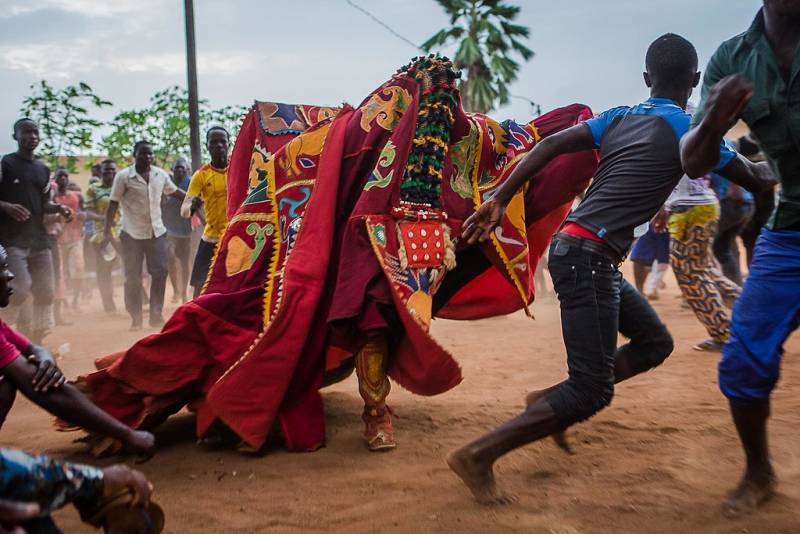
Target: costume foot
[
  {"x": 378, "y": 431},
  {"x": 156, "y": 322},
  {"x": 751, "y": 493},
  {"x": 135, "y": 326},
  {"x": 477, "y": 477},
  {"x": 559, "y": 438}
]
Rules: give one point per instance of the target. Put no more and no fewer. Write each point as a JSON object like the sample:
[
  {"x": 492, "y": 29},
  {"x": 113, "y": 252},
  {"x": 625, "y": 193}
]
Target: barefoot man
[
  {"x": 639, "y": 167},
  {"x": 753, "y": 77}
]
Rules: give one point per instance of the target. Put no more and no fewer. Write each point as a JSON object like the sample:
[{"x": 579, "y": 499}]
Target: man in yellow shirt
[{"x": 208, "y": 189}]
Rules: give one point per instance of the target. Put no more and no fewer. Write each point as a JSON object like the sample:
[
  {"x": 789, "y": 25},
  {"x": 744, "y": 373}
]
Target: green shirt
[{"x": 773, "y": 114}]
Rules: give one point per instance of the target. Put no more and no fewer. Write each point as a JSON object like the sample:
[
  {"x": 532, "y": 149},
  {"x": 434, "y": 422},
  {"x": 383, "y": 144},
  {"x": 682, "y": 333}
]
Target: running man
[
  {"x": 209, "y": 189},
  {"x": 754, "y": 76},
  {"x": 639, "y": 167}
]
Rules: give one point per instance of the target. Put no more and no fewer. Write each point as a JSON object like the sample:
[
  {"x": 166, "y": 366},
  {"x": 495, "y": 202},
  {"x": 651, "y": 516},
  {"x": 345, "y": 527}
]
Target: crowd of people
[{"x": 667, "y": 189}]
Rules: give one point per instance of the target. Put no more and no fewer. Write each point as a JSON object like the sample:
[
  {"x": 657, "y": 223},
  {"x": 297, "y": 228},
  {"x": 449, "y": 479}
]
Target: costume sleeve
[
  {"x": 118, "y": 187},
  {"x": 715, "y": 71},
  {"x": 49, "y": 483},
  {"x": 598, "y": 125}
]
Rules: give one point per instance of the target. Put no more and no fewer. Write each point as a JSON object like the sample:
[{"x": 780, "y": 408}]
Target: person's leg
[
  {"x": 588, "y": 290},
  {"x": 156, "y": 251},
  {"x": 640, "y": 273},
  {"x": 8, "y": 393},
  {"x": 691, "y": 233},
  {"x": 172, "y": 268},
  {"x": 105, "y": 285},
  {"x": 133, "y": 256},
  {"x": 77, "y": 271},
  {"x": 650, "y": 341},
  {"x": 183, "y": 255},
  {"x": 40, "y": 263},
  {"x": 21, "y": 301},
  {"x": 729, "y": 222},
  {"x": 763, "y": 318},
  {"x": 371, "y": 363},
  {"x": 202, "y": 264},
  {"x": 69, "y": 404}
]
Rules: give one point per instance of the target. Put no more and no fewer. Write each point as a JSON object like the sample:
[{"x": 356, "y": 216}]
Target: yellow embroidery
[
  {"x": 385, "y": 113},
  {"x": 296, "y": 183},
  {"x": 309, "y": 143}
]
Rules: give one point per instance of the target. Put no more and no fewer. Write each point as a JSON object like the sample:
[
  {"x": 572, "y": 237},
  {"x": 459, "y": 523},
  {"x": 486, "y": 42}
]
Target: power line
[{"x": 379, "y": 21}]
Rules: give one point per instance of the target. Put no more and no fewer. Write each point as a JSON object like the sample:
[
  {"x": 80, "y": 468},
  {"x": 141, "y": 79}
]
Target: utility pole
[{"x": 191, "y": 71}]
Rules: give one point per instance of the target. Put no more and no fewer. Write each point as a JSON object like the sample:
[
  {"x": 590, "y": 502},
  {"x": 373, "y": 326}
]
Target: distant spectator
[
  {"x": 137, "y": 191},
  {"x": 98, "y": 197},
  {"x": 70, "y": 242},
  {"x": 24, "y": 200},
  {"x": 179, "y": 234},
  {"x": 209, "y": 189}
]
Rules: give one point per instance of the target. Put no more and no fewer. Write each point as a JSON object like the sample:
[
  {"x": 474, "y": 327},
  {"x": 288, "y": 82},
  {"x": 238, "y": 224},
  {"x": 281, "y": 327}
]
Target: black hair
[
  {"x": 59, "y": 169},
  {"x": 108, "y": 160},
  {"x": 671, "y": 61},
  {"x": 18, "y": 122},
  {"x": 139, "y": 144},
  {"x": 217, "y": 128}
]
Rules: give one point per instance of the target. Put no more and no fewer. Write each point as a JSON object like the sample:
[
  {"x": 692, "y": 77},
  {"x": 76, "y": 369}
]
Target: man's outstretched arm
[
  {"x": 480, "y": 224},
  {"x": 700, "y": 147}
]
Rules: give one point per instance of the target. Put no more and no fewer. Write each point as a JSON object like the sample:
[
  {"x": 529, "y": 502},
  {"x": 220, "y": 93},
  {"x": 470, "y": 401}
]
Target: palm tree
[{"x": 487, "y": 39}]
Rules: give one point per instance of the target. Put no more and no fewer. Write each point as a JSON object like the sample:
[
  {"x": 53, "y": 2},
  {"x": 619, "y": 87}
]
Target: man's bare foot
[
  {"x": 751, "y": 493},
  {"x": 559, "y": 438},
  {"x": 478, "y": 478}
]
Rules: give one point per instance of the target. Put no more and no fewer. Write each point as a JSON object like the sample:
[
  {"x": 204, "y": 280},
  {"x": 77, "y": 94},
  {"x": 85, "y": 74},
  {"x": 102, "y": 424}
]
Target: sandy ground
[{"x": 659, "y": 459}]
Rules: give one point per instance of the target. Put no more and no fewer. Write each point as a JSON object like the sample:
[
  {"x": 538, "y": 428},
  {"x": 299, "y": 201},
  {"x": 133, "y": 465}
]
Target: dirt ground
[{"x": 658, "y": 460}]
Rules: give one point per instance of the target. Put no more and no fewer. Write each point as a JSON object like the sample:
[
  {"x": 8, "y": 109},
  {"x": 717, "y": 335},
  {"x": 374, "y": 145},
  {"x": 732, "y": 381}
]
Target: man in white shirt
[{"x": 138, "y": 190}]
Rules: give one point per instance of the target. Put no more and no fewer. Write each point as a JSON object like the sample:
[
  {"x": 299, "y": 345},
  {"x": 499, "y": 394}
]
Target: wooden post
[{"x": 191, "y": 70}]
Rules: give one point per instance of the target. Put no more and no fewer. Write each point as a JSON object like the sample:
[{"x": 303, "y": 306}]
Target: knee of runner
[
  {"x": 591, "y": 398},
  {"x": 663, "y": 345}
]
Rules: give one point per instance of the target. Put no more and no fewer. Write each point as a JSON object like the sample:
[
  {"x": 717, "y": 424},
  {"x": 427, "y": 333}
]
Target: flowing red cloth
[{"x": 314, "y": 261}]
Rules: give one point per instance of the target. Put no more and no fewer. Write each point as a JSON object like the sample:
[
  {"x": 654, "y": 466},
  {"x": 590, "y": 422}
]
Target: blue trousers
[{"x": 763, "y": 318}]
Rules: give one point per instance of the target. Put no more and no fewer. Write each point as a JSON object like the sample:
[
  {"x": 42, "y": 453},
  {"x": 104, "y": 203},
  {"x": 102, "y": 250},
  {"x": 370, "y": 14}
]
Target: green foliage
[
  {"x": 65, "y": 124},
  {"x": 487, "y": 41},
  {"x": 165, "y": 123}
]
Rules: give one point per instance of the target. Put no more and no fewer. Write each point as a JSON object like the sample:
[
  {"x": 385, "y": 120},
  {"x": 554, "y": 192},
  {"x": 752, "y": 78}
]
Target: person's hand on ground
[
  {"x": 479, "y": 225},
  {"x": 726, "y": 101},
  {"x": 17, "y": 212},
  {"x": 48, "y": 376},
  {"x": 119, "y": 477}
]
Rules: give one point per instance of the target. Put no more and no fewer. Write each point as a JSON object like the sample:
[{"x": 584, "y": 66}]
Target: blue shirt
[
  {"x": 639, "y": 167},
  {"x": 678, "y": 119}
]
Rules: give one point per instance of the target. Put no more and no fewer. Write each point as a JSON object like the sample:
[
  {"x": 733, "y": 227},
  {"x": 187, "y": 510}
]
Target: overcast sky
[{"x": 326, "y": 52}]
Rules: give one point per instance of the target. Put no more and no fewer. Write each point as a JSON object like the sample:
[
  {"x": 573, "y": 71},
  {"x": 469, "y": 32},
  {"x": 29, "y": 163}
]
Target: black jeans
[
  {"x": 134, "y": 252},
  {"x": 596, "y": 303}
]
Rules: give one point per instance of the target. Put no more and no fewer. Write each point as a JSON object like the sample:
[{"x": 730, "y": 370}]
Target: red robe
[{"x": 315, "y": 260}]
